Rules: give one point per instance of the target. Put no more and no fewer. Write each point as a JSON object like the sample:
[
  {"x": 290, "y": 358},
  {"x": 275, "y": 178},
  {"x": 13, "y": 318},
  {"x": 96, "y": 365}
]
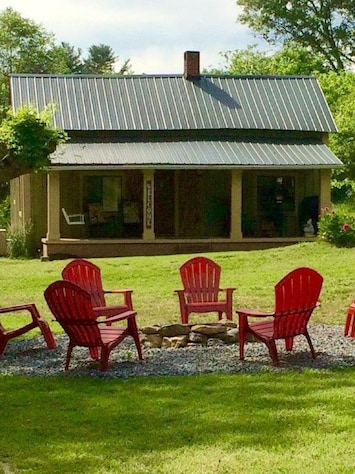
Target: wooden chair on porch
[
  {"x": 88, "y": 276},
  {"x": 296, "y": 296},
  {"x": 73, "y": 219},
  {"x": 37, "y": 322},
  {"x": 201, "y": 279}
]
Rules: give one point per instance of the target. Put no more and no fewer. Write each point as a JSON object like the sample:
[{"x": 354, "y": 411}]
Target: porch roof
[{"x": 197, "y": 154}]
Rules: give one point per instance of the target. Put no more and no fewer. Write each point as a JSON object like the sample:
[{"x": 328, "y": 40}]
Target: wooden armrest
[
  {"x": 254, "y": 313},
  {"x": 118, "y": 291},
  {"x": 17, "y": 307},
  {"x": 119, "y": 317}
]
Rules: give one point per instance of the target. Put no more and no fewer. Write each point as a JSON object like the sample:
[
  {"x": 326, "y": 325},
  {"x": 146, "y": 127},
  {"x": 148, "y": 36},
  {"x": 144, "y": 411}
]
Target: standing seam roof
[{"x": 125, "y": 103}]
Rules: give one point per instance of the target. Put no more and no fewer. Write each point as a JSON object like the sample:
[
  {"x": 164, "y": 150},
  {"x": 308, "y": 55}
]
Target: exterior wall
[{"x": 28, "y": 195}]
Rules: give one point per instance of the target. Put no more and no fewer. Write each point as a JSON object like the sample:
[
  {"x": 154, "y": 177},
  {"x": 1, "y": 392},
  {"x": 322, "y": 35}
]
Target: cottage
[{"x": 160, "y": 164}]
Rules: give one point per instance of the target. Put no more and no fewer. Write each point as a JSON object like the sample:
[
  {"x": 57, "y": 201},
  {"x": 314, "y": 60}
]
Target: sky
[{"x": 153, "y": 34}]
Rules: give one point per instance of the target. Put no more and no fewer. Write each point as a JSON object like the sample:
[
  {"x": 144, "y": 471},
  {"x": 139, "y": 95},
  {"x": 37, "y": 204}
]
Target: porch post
[
  {"x": 148, "y": 203},
  {"x": 324, "y": 188},
  {"x": 53, "y": 206},
  {"x": 236, "y": 205}
]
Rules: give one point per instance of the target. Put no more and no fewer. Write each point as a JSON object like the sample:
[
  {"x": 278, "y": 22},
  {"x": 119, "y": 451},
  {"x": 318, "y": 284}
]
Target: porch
[
  {"x": 157, "y": 212},
  {"x": 100, "y": 248}
]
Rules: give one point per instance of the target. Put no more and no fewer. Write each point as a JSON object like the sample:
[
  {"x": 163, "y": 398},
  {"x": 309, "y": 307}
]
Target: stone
[
  {"x": 228, "y": 323},
  {"x": 150, "y": 329},
  {"x": 171, "y": 330},
  {"x": 209, "y": 329},
  {"x": 151, "y": 340},
  {"x": 197, "y": 338},
  {"x": 174, "y": 342},
  {"x": 230, "y": 337}
]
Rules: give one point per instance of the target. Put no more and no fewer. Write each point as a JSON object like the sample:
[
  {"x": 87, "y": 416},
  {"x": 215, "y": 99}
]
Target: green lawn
[{"x": 294, "y": 422}]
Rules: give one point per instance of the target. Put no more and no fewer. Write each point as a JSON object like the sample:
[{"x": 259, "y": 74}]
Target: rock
[
  {"x": 175, "y": 342},
  {"x": 171, "y": 330},
  {"x": 151, "y": 340},
  {"x": 228, "y": 323},
  {"x": 198, "y": 338},
  {"x": 209, "y": 329},
  {"x": 150, "y": 329},
  {"x": 230, "y": 337}
]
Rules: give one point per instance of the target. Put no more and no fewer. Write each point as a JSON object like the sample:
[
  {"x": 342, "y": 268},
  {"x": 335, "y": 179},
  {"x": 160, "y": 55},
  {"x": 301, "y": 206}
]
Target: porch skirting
[{"x": 99, "y": 248}]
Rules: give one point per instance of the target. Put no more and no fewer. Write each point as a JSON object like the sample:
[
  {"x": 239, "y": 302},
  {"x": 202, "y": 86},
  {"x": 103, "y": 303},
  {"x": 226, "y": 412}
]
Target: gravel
[{"x": 32, "y": 358}]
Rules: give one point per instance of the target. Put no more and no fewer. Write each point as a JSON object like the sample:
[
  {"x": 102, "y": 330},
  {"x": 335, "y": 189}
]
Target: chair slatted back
[
  {"x": 72, "y": 308},
  {"x": 87, "y": 276},
  {"x": 200, "y": 277},
  {"x": 296, "y": 296}
]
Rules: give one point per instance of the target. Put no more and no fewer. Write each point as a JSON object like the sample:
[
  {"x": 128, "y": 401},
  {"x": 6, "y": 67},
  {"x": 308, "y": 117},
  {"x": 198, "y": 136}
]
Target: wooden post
[
  {"x": 53, "y": 205},
  {"x": 148, "y": 214},
  {"x": 236, "y": 206}
]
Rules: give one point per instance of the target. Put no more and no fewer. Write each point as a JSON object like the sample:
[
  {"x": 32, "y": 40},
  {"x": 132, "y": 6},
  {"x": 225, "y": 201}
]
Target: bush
[
  {"x": 337, "y": 228},
  {"x": 5, "y": 213},
  {"x": 18, "y": 240}
]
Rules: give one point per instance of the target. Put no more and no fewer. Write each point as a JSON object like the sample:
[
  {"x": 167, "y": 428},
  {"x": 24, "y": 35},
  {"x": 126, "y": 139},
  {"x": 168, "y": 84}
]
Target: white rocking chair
[{"x": 73, "y": 219}]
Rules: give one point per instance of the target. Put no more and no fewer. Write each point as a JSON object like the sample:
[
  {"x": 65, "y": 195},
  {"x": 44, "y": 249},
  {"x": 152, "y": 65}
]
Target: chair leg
[
  {"x": 313, "y": 352},
  {"x": 242, "y": 332},
  {"x": 289, "y": 343},
  {"x": 105, "y": 353},
  {"x": 69, "y": 351},
  {"x": 47, "y": 334},
  {"x": 271, "y": 345},
  {"x": 3, "y": 344},
  {"x": 349, "y": 329},
  {"x": 132, "y": 325}
]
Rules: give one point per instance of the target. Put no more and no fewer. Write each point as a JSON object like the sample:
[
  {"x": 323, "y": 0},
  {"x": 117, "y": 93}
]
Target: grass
[
  {"x": 292, "y": 422},
  {"x": 154, "y": 280},
  {"x": 259, "y": 423}
]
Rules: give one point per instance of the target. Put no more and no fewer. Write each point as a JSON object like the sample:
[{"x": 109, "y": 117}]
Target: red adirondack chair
[
  {"x": 201, "y": 277},
  {"x": 72, "y": 307},
  {"x": 37, "y": 321},
  {"x": 296, "y": 296},
  {"x": 349, "y": 328},
  {"x": 88, "y": 276}
]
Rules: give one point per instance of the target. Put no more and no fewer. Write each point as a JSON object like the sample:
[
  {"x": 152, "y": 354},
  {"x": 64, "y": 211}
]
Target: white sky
[{"x": 153, "y": 34}]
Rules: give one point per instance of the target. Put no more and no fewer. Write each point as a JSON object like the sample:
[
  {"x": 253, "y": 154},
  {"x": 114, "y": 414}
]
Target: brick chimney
[{"x": 192, "y": 65}]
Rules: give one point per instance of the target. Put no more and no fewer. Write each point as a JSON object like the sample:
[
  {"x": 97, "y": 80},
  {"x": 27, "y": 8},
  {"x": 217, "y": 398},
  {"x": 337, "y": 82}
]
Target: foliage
[
  {"x": 26, "y": 47},
  {"x": 339, "y": 90},
  {"x": 28, "y": 139},
  {"x": 102, "y": 60},
  {"x": 337, "y": 227},
  {"x": 324, "y": 27},
  {"x": 18, "y": 240},
  {"x": 291, "y": 59},
  {"x": 5, "y": 212}
]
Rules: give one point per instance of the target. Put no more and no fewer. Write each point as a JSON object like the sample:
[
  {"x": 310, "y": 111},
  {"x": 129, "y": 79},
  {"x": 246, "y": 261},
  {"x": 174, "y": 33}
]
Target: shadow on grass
[{"x": 89, "y": 425}]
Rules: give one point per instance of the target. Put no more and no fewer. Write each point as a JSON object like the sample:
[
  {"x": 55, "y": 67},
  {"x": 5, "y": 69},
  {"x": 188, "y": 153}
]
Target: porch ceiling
[{"x": 221, "y": 154}]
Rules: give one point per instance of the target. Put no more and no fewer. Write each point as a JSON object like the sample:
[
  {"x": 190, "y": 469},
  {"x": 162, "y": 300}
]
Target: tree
[
  {"x": 24, "y": 46},
  {"x": 290, "y": 60},
  {"x": 102, "y": 60},
  {"x": 339, "y": 90},
  {"x": 325, "y": 27},
  {"x": 26, "y": 141}
]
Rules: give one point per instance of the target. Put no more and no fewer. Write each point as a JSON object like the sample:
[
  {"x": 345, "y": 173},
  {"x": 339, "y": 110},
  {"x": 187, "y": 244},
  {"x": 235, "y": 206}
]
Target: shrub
[
  {"x": 18, "y": 240},
  {"x": 5, "y": 213},
  {"x": 337, "y": 228}
]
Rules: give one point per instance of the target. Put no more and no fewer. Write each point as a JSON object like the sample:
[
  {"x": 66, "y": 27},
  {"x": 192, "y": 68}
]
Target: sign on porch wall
[{"x": 148, "y": 205}]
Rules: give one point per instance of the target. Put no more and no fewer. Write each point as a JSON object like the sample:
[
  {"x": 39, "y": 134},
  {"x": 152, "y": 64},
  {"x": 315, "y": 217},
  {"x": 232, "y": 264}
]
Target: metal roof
[
  {"x": 171, "y": 102},
  {"x": 226, "y": 154}
]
